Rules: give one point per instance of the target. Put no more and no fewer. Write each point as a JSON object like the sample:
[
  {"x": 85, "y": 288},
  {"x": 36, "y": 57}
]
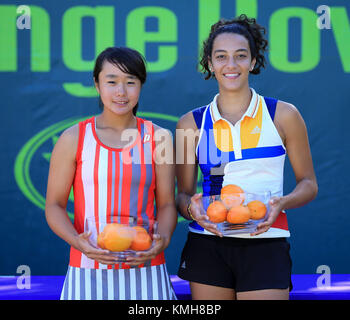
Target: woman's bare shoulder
[
  {"x": 71, "y": 134},
  {"x": 286, "y": 110},
  {"x": 288, "y": 119},
  {"x": 186, "y": 121},
  {"x": 68, "y": 141}
]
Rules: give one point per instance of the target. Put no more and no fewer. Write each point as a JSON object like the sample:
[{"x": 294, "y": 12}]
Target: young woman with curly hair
[{"x": 260, "y": 132}]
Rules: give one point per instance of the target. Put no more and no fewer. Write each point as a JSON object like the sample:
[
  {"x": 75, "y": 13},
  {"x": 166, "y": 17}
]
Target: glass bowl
[
  {"x": 238, "y": 213},
  {"x": 121, "y": 239}
]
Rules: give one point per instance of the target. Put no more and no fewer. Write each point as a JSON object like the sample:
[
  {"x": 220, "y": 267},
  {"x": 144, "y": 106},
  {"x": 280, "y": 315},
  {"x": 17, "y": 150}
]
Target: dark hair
[
  {"x": 128, "y": 60},
  {"x": 247, "y": 27}
]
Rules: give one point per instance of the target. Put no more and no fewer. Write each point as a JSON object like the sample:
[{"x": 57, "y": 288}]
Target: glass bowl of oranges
[
  {"x": 122, "y": 239},
  {"x": 235, "y": 210}
]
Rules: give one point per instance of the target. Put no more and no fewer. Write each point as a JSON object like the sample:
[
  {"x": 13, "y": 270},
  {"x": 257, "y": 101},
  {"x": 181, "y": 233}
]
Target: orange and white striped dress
[{"x": 115, "y": 184}]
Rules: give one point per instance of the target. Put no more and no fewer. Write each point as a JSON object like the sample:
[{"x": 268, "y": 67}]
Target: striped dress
[{"x": 117, "y": 184}]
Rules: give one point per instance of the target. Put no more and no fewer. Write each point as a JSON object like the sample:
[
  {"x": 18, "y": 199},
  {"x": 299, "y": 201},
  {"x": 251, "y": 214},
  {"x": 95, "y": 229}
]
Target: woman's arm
[
  {"x": 293, "y": 132},
  {"x": 187, "y": 135},
  {"x": 299, "y": 154},
  {"x": 61, "y": 176},
  {"x": 165, "y": 185},
  {"x": 186, "y": 166}
]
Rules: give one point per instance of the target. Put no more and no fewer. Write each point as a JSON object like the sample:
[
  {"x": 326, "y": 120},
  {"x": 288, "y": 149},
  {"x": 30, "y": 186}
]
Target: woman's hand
[
  {"x": 98, "y": 254},
  {"x": 276, "y": 206},
  {"x": 199, "y": 215},
  {"x": 143, "y": 256}
]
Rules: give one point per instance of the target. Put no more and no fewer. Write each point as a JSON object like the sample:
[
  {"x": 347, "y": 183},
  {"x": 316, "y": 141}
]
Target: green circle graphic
[{"x": 24, "y": 157}]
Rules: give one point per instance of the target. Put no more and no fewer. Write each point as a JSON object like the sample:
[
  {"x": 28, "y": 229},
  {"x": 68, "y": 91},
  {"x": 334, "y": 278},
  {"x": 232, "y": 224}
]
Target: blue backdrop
[{"x": 47, "y": 52}]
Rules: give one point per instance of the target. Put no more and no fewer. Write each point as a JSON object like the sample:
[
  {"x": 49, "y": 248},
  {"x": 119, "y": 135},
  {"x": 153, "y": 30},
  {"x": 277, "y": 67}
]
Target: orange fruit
[
  {"x": 217, "y": 212},
  {"x": 100, "y": 240},
  {"x": 232, "y": 195},
  {"x": 231, "y": 189},
  {"x": 101, "y": 236},
  {"x": 239, "y": 214},
  {"x": 257, "y": 209},
  {"x": 110, "y": 226},
  {"x": 142, "y": 241},
  {"x": 140, "y": 229},
  {"x": 117, "y": 237}
]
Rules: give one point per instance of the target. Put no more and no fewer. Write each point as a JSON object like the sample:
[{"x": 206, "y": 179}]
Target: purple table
[{"x": 304, "y": 288}]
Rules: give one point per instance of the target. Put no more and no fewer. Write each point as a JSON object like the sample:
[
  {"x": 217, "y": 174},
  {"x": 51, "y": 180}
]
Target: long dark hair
[
  {"x": 128, "y": 60},
  {"x": 247, "y": 27}
]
